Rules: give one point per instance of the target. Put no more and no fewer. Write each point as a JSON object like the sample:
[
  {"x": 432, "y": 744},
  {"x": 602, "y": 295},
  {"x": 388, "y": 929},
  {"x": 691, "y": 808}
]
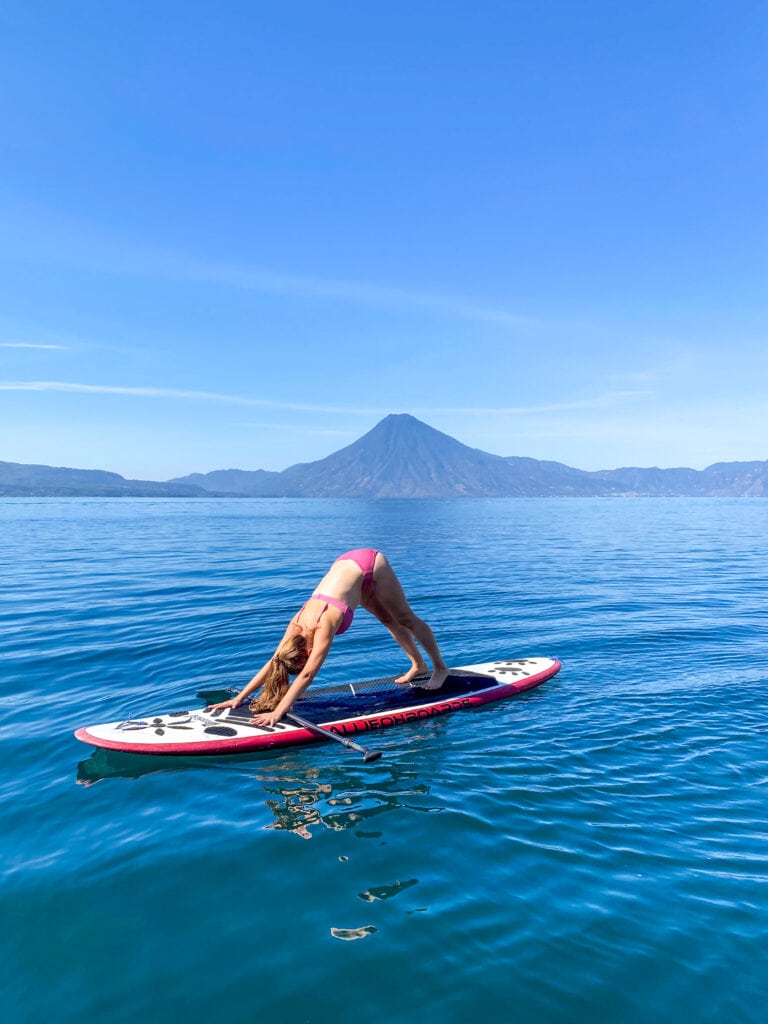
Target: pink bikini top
[{"x": 343, "y": 607}]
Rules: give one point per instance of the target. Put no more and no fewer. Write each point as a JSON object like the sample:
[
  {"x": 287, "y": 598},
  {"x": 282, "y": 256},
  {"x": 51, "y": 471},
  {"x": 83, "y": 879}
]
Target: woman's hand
[
  {"x": 233, "y": 703},
  {"x": 266, "y": 718}
]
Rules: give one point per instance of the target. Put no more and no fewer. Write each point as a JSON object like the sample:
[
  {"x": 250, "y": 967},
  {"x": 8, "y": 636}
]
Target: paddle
[{"x": 368, "y": 755}]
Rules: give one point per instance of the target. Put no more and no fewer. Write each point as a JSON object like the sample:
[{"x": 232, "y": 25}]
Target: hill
[
  {"x": 229, "y": 481},
  {"x": 18, "y": 480}
]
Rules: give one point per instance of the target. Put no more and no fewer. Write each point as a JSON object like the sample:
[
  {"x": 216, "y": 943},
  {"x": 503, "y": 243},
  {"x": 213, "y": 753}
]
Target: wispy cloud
[
  {"x": 74, "y": 240},
  {"x": 27, "y": 344},
  {"x": 358, "y": 292},
  {"x": 607, "y": 399},
  {"x": 87, "y": 244},
  {"x": 152, "y": 392},
  {"x": 71, "y": 387},
  {"x": 107, "y": 389}
]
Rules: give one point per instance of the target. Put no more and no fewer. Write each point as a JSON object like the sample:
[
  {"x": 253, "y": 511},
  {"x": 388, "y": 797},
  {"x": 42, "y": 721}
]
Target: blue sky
[{"x": 239, "y": 234}]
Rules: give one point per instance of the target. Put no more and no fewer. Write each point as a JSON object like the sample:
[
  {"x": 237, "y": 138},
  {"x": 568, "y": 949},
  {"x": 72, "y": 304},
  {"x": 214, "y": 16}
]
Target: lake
[{"x": 592, "y": 851}]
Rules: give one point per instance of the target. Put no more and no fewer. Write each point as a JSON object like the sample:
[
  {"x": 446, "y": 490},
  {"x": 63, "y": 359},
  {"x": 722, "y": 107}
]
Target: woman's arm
[
  {"x": 322, "y": 644},
  {"x": 254, "y": 684},
  {"x": 258, "y": 679}
]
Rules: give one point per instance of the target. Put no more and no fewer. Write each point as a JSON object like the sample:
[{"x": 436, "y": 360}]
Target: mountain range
[{"x": 401, "y": 457}]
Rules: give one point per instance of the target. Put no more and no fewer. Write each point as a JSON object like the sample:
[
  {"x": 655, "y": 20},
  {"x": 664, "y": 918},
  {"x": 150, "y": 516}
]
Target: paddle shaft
[{"x": 368, "y": 755}]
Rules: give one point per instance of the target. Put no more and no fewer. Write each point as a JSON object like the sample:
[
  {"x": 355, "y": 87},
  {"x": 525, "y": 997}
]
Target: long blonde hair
[{"x": 289, "y": 660}]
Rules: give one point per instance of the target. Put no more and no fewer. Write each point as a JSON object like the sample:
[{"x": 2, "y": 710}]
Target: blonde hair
[{"x": 289, "y": 660}]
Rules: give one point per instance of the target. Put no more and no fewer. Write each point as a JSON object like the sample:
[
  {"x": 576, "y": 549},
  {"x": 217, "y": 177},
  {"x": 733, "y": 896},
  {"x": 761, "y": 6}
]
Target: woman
[{"x": 362, "y": 577}]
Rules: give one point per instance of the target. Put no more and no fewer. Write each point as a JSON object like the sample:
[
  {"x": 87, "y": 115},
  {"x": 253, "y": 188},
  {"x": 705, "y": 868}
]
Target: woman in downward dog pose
[{"x": 362, "y": 577}]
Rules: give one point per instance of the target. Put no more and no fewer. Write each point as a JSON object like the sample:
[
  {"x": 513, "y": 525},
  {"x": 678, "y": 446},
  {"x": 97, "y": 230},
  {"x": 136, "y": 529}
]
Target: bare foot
[
  {"x": 415, "y": 670},
  {"x": 436, "y": 680}
]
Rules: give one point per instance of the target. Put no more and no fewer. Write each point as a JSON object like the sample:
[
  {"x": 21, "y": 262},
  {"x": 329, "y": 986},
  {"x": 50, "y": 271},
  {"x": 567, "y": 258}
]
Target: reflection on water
[
  {"x": 301, "y": 796},
  {"x": 300, "y": 804},
  {"x": 295, "y": 804},
  {"x": 350, "y": 934},
  {"x": 116, "y": 764},
  {"x": 386, "y": 892}
]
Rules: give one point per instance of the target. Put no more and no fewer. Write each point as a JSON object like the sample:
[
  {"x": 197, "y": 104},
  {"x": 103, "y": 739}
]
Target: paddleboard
[{"x": 347, "y": 710}]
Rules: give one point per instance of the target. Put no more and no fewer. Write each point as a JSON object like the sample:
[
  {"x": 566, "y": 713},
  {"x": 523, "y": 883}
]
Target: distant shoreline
[
  {"x": 400, "y": 458},
  {"x": 359, "y": 497}
]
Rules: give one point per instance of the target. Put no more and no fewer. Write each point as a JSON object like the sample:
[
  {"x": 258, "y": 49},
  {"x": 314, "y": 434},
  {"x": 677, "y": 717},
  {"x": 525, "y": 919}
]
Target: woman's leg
[
  {"x": 390, "y": 606},
  {"x": 404, "y": 638}
]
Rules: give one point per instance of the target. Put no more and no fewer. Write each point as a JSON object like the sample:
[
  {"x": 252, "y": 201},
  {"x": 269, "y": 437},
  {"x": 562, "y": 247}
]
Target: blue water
[{"x": 593, "y": 851}]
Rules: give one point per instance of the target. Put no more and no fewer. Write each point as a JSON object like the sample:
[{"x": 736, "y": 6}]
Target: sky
[{"x": 239, "y": 234}]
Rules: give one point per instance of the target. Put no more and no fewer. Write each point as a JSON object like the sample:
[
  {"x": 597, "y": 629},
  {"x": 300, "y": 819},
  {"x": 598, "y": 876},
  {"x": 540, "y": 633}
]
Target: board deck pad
[
  {"x": 377, "y": 695},
  {"x": 346, "y": 709}
]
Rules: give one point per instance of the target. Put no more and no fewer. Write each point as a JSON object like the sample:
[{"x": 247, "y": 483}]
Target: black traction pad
[{"x": 375, "y": 696}]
